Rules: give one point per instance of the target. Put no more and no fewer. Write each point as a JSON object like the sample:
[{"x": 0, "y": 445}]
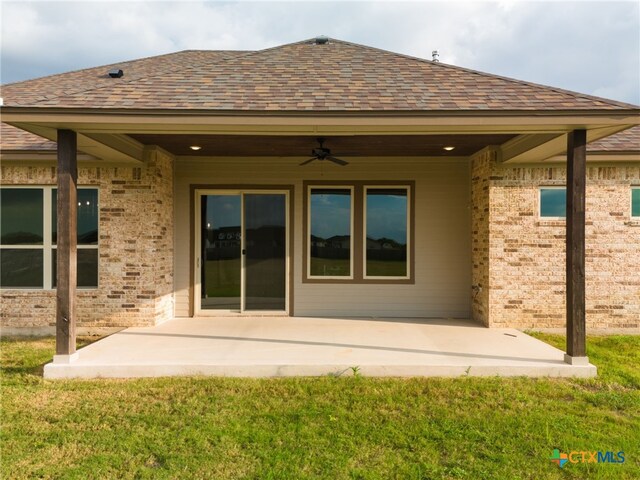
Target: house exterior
[{"x": 191, "y": 200}]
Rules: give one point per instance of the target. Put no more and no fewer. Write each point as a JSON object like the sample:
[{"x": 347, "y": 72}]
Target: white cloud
[{"x": 591, "y": 47}]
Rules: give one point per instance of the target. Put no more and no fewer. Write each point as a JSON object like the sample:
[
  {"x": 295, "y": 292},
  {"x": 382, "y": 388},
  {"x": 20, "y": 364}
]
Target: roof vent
[
  {"x": 435, "y": 56},
  {"x": 321, "y": 40},
  {"x": 116, "y": 73}
]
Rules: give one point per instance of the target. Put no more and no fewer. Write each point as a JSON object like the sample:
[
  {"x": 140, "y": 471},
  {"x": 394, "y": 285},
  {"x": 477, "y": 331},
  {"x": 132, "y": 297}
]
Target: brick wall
[
  {"x": 481, "y": 166},
  {"x": 526, "y": 277},
  {"x": 135, "y": 248}
]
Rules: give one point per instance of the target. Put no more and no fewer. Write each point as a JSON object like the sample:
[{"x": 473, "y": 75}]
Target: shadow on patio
[{"x": 303, "y": 346}]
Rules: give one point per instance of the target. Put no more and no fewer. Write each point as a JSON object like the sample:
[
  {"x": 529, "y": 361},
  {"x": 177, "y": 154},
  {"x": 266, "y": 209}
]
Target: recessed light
[
  {"x": 195, "y": 147},
  {"x": 448, "y": 149}
]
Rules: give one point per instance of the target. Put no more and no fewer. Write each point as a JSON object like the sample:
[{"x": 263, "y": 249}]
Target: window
[
  {"x": 635, "y": 201},
  {"x": 359, "y": 232},
  {"x": 330, "y": 242},
  {"x": 553, "y": 202},
  {"x": 386, "y": 232},
  {"x": 28, "y": 237}
]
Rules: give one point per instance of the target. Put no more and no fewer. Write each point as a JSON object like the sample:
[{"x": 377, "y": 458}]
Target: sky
[{"x": 586, "y": 46}]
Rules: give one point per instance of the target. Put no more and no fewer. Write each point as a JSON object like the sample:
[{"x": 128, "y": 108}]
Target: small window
[
  {"x": 330, "y": 241},
  {"x": 387, "y": 232},
  {"x": 635, "y": 201},
  {"x": 553, "y": 202},
  {"x": 28, "y": 228}
]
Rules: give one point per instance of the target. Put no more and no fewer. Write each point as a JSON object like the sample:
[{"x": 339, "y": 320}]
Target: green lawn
[
  {"x": 332, "y": 427},
  {"x": 339, "y": 268},
  {"x": 223, "y": 278}
]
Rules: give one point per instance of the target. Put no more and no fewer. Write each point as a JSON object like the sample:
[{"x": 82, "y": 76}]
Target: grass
[
  {"x": 340, "y": 267},
  {"x": 347, "y": 427},
  {"x": 223, "y": 278}
]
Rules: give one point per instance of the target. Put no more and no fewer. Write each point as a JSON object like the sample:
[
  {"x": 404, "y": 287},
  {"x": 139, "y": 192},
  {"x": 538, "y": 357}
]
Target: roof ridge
[{"x": 609, "y": 101}]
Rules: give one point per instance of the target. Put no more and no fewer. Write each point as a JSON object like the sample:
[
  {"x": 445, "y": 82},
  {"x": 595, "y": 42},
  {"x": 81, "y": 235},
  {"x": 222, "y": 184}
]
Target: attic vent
[
  {"x": 435, "y": 56},
  {"x": 321, "y": 40},
  {"x": 116, "y": 73}
]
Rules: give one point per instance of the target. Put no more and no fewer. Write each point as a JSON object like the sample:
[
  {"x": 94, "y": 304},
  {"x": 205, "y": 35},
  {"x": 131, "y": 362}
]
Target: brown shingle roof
[
  {"x": 625, "y": 141},
  {"x": 303, "y": 76},
  {"x": 12, "y": 138},
  {"x": 82, "y": 82}
]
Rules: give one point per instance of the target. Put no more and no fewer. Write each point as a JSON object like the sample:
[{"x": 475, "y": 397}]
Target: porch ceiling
[{"x": 286, "y": 145}]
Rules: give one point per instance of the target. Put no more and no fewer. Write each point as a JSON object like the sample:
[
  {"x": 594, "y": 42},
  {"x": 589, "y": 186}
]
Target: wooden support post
[
  {"x": 576, "y": 190},
  {"x": 67, "y": 242}
]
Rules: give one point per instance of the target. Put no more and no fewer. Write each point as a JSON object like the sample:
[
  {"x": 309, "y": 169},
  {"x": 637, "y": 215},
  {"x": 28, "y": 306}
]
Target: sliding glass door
[{"x": 241, "y": 251}]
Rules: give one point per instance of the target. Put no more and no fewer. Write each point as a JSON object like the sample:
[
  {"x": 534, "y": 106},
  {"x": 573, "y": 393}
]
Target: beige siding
[{"x": 442, "y": 220}]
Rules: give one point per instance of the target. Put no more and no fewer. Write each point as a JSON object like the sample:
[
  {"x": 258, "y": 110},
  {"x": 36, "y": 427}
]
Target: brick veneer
[
  {"x": 519, "y": 258},
  {"x": 135, "y": 247}
]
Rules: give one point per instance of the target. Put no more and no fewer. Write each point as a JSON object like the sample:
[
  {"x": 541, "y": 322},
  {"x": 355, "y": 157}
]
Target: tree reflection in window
[
  {"x": 330, "y": 227},
  {"x": 386, "y": 232}
]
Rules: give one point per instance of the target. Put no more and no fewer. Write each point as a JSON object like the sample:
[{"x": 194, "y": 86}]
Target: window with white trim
[
  {"x": 386, "y": 226},
  {"x": 28, "y": 228},
  {"x": 553, "y": 202},
  {"x": 359, "y": 232},
  {"x": 330, "y": 243}
]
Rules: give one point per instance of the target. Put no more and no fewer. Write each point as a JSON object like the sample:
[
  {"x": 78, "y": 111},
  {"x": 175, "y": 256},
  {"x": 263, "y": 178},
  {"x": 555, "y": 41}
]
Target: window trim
[
  {"x": 631, "y": 215},
  {"x": 364, "y": 231},
  {"x": 308, "y": 190},
  {"x": 549, "y": 187},
  {"x": 358, "y": 232},
  {"x": 48, "y": 246}
]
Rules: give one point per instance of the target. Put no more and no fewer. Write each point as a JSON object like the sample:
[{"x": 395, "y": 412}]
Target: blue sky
[{"x": 587, "y": 46}]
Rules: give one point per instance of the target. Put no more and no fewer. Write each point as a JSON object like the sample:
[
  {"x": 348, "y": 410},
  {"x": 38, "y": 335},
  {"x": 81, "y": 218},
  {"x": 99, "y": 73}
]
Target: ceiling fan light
[
  {"x": 449, "y": 148},
  {"x": 195, "y": 147}
]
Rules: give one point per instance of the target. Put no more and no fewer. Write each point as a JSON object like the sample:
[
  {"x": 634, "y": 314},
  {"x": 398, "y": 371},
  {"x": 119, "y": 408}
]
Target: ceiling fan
[{"x": 321, "y": 153}]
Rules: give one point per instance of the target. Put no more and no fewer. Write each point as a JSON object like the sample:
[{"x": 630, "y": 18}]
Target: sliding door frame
[{"x": 197, "y": 191}]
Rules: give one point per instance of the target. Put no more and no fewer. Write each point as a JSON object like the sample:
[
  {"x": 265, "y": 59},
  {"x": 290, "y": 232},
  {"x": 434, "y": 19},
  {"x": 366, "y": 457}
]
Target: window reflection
[
  {"x": 553, "y": 202},
  {"x": 330, "y": 240},
  {"x": 635, "y": 202},
  {"x": 386, "y": 235},
  {"x": 21, "y": 268},
  {"x": 87, "y": 264},
  {"x": 22, "y": 216},
  {"x": 221, "y": 240},
  {"x": 87, "y": 216}
]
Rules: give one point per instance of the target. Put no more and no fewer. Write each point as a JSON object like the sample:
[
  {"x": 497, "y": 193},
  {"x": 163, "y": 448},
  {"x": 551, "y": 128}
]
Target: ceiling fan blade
[
  {"x": 336, "y": 160},
  {"x": 309, "y": 161}
]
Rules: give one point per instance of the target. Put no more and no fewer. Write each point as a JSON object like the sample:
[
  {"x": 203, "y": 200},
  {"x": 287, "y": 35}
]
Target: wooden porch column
[
  {"x": 67, "y": 241},
  {"x": 576, "y": 189}
]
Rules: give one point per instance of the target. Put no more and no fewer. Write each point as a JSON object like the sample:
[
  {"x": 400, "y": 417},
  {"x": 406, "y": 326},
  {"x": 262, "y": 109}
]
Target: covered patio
[
  {"x": 158, "y": 141},
  {"x": 261, "y": 346}
]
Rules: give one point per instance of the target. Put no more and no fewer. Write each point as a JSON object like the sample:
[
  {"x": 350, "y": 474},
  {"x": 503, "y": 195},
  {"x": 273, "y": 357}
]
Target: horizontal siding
[{"x": 443, "y": 237}]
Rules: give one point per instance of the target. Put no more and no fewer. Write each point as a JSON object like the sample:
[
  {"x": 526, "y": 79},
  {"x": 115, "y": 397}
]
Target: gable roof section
[{"x": 300, "y": 77}]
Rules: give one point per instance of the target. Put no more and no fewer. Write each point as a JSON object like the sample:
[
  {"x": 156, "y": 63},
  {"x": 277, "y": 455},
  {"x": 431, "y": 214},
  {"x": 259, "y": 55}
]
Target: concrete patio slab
[{"x": 266, "y": 346}]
